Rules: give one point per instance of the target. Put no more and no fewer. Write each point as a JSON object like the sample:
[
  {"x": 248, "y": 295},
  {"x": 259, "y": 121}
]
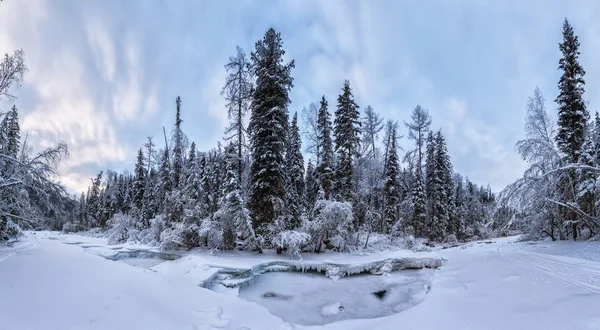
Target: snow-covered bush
[
  {"x": 451, "y": 240},
  {"x": 410, "y": 242},
  {"x": 371, "y": 242},
  {"x": 181, "y": 235},
  {"x": 211, "y": 233},
  {"x": 333, "y": 220},
  {"x": 291, "y": 242},
  {"x": 70, "y": 227},
  {"x": 121, "y": 228},
  {"x": 415, "y": 244},
  {"x": 170, "y": 238},
  {"x": 10, "y": 231}
]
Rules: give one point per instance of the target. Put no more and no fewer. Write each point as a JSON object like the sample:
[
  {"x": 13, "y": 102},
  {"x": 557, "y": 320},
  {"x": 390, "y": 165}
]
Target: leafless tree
[{"x": 237, "y": 92}]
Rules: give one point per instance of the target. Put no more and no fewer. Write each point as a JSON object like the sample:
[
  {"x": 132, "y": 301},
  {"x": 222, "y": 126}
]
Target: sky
[{"x": 104, "y": 75}]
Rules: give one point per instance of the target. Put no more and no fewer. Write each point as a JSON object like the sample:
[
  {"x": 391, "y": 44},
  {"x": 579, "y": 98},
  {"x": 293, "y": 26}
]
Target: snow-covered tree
[
  {"x": 324, "y": 170},
  {"x": 417, "y": 129},
  {"x": 238, "y": 93},
  {"x": 573, "y": 117},
  {"x": 139, "y": 184},
  {"x": 232, "y": 214},
  {"x": 391, "y": 190},
  {"x": 372, "y": 124},
  {"x": 331, "y": 226},
  {"x": 536, "y": 192},
  {"x": 445, "y": 187},
  {"x": 346, "y": 131},
  {"x": 295, "y": 188},
  {"x": 94, "y": 201},
  {"x": 310, "y": 128},
  {"x": 268, "y": 126}
]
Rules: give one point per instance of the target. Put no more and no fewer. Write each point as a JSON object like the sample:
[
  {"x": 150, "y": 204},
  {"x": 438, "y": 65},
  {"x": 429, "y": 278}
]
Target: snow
[
  {"x": 500, "y": 284},
  {"x": 313, "y": 299},
  {"x": 332, "y": 309}
]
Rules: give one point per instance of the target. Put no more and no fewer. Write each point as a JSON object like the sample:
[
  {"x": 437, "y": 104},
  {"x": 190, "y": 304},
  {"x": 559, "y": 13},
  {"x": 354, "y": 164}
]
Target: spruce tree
[
  {"x": 572, "y": 113},
  {"x": 268, "y": 126},
  {"x": 231, "y": 202},
  {"x": 191, "y": 189},
  {"x": 312, "y": 187},
  {"x": 573, "y": 116},
  {"x": 391, "y": 190},
  {"x": 324, "y": 168},
  {"x": 151, "y": 194},
  {"x": 419, "y": 213},
  {"x": 445, "y": 188},
  {"x": 430, "y": 191},
  {"x": 164, "y": 179},
  {"x": 13, "y": 136},
  {"x": 347, "y": 141},
  {"x": 139, "y": 184},
  {"x": 3, "y": 134},
  {"x": 232, "y": 212},
  {"x": 295, "y": 176},
  {"x": 93, "y": 203},
  {"x": 596, "y": 139},
  {"x": 177, "y": 146},
  {"x": 205, "y": 184}
]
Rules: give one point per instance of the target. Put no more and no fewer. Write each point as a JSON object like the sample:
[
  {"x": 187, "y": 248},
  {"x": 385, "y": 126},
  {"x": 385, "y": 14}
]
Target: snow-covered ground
[{"x": 56, "y": 281}]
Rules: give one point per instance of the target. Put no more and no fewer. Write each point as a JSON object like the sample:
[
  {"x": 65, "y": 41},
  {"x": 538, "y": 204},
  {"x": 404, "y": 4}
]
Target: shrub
[{"x": 291, "y": 242}]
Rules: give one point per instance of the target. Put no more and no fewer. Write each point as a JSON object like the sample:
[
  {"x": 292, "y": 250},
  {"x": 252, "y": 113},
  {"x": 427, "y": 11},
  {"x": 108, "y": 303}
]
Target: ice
[
  {"x": 313, "y": 299},
  {"x": 146, "y": 263}
]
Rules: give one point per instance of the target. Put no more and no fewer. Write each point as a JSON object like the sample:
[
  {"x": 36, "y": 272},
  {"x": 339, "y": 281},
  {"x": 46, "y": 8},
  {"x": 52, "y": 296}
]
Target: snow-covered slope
[{"x": 47, "y": 284}]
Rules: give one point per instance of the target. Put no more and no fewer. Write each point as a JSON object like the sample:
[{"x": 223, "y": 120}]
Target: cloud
[{"x": 104, "y": 75}]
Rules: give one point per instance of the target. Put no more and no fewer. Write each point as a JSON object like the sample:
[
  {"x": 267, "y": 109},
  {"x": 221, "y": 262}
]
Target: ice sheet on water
[{"x": 312, "y": 299}]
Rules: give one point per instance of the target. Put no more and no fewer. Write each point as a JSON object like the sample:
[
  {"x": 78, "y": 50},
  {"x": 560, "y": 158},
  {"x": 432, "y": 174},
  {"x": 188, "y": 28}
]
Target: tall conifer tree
[{"x": 268, "y": 126}]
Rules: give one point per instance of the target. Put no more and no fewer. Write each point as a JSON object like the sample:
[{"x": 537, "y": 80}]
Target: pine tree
[
  {"x": 164, "y": 178},
  {"x": 151, "y": 194},
  {"x": 13, "y": 136},
  {"x": 596, "y": 139},
  {"x": 347, "y": 141},
  {"x": 324, "y": 168},
  {"x": 586, "y": 186},
  {"x": 391, "y": 190},
  {"x": 93, "y": 203},
  {"x": 312, "y": 187},
  {"x": 81, "y": 211},
  {"x": 446, "y": 186},
  {"x": 232, "y": 212},
  {"x": 3, "y": 134},
  {"x": 419, "y": 213},
  {"x": 177, "y": 146},
  {"x": 139, "y": 184},
  {"x": 268, "y": 126},
  {"x": 192, "y": 176},
  {"x": 295, "y": 176},
  {"x": 430, "y": 191},
  {"x": 238, "y": 93},
  {"x": 572, "y": 115},
  {"x": 11, "y": 203}
]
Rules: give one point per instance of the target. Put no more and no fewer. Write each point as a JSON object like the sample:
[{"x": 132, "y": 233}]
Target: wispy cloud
[{"x": 105, "y": 74}]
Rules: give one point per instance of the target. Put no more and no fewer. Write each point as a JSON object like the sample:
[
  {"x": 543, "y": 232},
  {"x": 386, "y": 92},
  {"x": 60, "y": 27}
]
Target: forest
[{"x": 331, "y": 177}]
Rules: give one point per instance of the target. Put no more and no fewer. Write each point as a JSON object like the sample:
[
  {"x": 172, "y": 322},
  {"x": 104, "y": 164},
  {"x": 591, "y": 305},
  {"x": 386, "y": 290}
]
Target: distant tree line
[{"x": 257, "y": 190}]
